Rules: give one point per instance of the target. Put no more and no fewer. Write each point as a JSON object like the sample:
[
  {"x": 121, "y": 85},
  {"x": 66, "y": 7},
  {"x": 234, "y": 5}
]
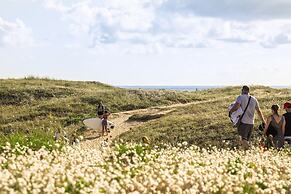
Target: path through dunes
[{"x": 122, "y": 123}]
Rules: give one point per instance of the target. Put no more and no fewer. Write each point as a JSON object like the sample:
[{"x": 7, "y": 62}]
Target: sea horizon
[{"x": 183, "y": 88}]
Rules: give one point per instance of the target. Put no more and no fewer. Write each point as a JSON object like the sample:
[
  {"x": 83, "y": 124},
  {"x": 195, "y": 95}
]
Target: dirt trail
[{"x": 93, "y": 139}]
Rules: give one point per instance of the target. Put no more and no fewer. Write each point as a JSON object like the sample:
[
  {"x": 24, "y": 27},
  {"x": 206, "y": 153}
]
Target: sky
[{"x": 148, "y": 42}]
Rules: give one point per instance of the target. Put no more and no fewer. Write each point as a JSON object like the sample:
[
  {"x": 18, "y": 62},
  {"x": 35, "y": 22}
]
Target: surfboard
[
  {"x": 93, "y": 123},
  {"x": 234, "y": 117},
  {"x": 96, "y": 124}
]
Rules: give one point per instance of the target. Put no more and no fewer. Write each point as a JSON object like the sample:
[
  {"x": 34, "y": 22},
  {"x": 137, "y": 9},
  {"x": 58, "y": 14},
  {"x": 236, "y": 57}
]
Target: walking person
[
  {"x": 105, "y": 122},
  {"x": 100, "y": 110},
  {"x": 287, "y": 115},
  {"x": 249, "y": 104},
  {"x": 277, "y": 122}
]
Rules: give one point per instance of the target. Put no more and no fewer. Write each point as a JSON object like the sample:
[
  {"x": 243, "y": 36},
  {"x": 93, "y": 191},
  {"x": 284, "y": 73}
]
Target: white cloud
[
  {"x": 177, "y": 24},
  {"x": 15, "y": 34},
  {"x": 232, "y": 9},
  {"x": 55, "y": 5},
  {"x": 278, "y": 39}
]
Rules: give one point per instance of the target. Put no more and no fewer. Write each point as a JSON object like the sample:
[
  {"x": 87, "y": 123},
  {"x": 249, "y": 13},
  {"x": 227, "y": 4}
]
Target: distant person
[
  {"x": 105, "y": 123},
  {"x": 100, "y": 110},
  {"x": 249, "y": 105},
  {"x": 287, "y": 116},
  {"x": 276, "y": 121},
  {"x": 57, "y": 134}
]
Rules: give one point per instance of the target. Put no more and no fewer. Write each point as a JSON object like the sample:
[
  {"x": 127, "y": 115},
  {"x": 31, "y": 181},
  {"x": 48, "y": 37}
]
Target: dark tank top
[{"x": 278, "y": 126}]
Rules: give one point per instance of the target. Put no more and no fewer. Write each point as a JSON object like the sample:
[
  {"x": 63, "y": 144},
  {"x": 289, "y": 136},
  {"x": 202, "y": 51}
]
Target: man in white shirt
[{"x": 247, "y": 122}]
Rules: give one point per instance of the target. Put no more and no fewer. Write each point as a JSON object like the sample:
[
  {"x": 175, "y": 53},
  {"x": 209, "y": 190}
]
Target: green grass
[
  {"x": 33, "y": 105},
  {"x": 32, "y": 109},
  {"x": 205, "y": 123}
]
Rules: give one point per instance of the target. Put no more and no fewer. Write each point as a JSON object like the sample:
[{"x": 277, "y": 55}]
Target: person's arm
[
  {"x": 260, "y": 114},
  {"x": 284, "y": 125},
  {"x": 234, "y": 108},
  {"x": 267, "y": 125}
]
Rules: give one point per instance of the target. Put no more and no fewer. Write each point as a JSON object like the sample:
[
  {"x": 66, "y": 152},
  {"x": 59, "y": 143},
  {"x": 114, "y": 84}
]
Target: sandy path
[
  {"x": 121, "y": 126},
  {"x": 93, "y": 139}
]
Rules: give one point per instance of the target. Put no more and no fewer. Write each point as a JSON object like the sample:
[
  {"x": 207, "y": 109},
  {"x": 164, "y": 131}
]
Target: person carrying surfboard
[{"x": 249, "y": 104}]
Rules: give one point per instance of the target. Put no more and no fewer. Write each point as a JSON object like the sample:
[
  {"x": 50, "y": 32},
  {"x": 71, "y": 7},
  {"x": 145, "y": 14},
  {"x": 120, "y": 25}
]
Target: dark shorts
[
  {"x": 245, "y": 131},
  {"x": 104, "y": 122}
]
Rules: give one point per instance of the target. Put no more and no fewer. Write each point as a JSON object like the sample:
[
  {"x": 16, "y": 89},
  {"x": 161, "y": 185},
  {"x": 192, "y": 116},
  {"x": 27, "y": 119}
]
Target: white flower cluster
[{"x": 135, "y": 168}]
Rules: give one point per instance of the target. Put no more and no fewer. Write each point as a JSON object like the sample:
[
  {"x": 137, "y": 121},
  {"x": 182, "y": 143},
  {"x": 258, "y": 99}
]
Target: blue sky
[{"x": 148, "y": 42}]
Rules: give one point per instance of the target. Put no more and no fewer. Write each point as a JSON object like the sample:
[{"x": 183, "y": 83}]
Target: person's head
[
  {"x": 275, "y": 109},
  {"x": 245, "y": 90},
  {"x": 287, "y": 107}
]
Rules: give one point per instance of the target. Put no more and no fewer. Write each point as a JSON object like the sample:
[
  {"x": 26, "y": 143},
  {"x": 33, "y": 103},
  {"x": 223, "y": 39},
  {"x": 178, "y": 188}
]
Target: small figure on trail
[
  {"x": 100, "y": 110},
  {"x": 57, "y": 134},
  {"x": 249, "y": 105},
  {"x": 105, "y": 123},
  {"x": 287, "y": 115},
  {"x": 275, "y": 127}
]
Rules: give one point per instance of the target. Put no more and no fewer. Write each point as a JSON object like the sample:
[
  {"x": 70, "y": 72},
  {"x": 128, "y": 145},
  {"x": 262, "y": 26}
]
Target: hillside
[
  {"x": 32, "y": 109},
  {"x": 36, "y": 107}
]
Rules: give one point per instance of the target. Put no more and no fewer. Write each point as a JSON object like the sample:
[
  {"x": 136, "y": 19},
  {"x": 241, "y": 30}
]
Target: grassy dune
[
  {"x": 205, "y": 123},
  {"x": 31, "y": 109}
]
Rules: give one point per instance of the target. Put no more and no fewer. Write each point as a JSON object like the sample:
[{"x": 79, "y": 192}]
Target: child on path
[{"x": 105, "y": 123}]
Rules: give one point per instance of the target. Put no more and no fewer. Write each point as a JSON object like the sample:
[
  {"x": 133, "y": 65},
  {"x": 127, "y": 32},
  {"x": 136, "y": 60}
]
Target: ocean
[
  {"x": 184, "y": 88},
  {"x": 177, "y": 88}
]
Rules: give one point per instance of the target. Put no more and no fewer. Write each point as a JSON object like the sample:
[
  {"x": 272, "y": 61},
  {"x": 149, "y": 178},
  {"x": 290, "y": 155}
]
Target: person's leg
[
  {"x": 104, "y": 126},
  {"x": 280, "y": 141},
  {"x": 244, "y": 130},
  {"x": 249, "y": 133},
  {"x": 271, "y": 140},
  {"x": 102, "y": 132},
  {"x": 245, "y": 144}
]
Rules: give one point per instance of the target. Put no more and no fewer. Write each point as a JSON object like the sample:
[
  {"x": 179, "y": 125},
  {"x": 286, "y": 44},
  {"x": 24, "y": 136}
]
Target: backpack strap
[{"x": 246, "y": 108}]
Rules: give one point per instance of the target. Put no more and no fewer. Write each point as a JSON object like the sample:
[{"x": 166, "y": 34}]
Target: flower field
[{"x": 136, "y": 168}]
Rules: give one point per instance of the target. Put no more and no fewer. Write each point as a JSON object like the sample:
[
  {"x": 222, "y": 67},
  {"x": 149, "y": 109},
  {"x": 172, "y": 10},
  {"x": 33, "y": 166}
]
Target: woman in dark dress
[{"x": 275, "y": 127}]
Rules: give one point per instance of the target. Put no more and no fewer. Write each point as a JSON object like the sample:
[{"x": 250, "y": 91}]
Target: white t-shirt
[{"x": 249, "y": 117}]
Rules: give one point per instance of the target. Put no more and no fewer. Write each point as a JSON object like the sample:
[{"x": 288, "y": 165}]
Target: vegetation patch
[{"x": 144, "y": 117}]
